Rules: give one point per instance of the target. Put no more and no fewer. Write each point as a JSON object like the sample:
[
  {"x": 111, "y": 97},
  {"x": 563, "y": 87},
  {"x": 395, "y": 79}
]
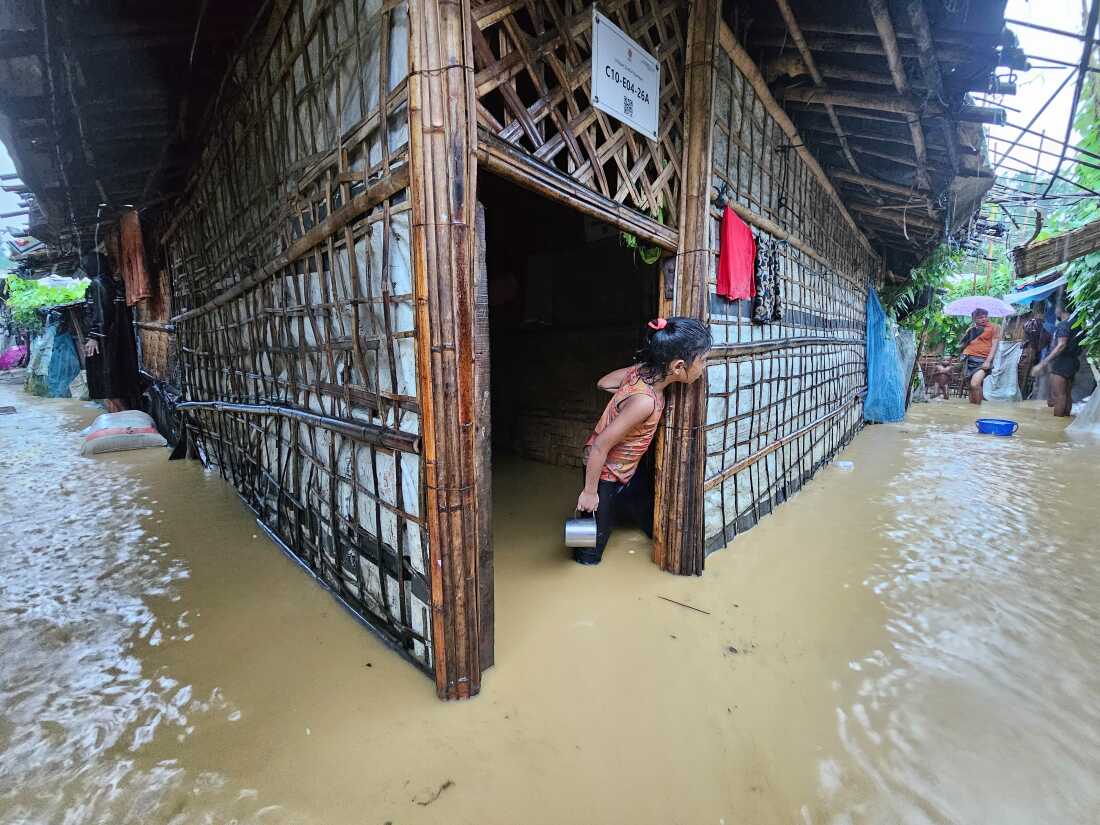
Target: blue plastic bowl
[{"x": 996, "y": 426}]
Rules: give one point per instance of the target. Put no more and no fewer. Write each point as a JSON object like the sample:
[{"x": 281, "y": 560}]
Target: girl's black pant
[{"x": 632, "y": 501}]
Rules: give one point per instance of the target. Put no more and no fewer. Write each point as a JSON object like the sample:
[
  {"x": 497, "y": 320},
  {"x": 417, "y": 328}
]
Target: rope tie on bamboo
[{"x": 442, "y": 69}]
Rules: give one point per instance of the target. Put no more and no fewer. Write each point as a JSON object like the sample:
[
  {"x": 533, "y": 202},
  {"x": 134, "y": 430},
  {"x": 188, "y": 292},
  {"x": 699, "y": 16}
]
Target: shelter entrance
[{"x": 568, "y": 300}]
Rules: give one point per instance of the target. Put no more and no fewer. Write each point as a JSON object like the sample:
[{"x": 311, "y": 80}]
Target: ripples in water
[{"x": 982, "y": 707}]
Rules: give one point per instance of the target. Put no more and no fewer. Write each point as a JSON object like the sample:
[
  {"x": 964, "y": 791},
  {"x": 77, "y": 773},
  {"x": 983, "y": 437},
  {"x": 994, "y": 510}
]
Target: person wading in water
[
  {"x": 979, "y": 345},
  {"x": 675, "y": 353},
  {"x": 1064, "y": 360}
]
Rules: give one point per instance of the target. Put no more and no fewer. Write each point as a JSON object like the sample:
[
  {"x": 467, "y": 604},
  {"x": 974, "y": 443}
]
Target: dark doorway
[{"x": 568, "y": 302}]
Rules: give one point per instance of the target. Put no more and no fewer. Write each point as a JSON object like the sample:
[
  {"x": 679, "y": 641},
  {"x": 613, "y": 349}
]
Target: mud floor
[{"x": 912, "y": 640}]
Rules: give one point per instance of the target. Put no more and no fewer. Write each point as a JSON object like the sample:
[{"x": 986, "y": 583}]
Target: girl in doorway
[{"x": 675, "y": 353}]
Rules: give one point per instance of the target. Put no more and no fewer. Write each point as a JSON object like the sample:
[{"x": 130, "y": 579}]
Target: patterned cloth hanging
[{"x": 767, "y": 306}]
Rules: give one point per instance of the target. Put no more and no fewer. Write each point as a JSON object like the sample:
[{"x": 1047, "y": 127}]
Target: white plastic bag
[
  {"x": 78, "y": 387},
  {"x": 112, "y": 432}
]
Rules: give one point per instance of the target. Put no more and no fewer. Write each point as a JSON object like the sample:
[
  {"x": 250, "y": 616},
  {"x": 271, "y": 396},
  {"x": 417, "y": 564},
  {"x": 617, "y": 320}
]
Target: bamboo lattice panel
[
  {"x": 782, "y": 397},
  {"x": 292, "y": 275},
  {"x": 533, "y": 86}
]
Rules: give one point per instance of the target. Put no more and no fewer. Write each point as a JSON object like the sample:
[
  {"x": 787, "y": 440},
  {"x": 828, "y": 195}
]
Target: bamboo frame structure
[
  {"x": 444, "y": 162},
  {"x": 533, "y": 63},
  {"x": 678, "y": 514},
  {"x": 295, "y": 307},
  {"x": 782, "y": 397}
]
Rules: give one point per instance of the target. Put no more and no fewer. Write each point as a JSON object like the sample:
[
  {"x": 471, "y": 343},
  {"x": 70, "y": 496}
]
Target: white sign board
[{"x": 626, "y": 79}]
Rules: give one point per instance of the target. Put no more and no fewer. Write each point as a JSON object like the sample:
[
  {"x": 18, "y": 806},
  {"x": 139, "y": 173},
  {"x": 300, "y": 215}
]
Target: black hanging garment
[
  {"x": 767, "y": 305},
  {"x": 112, "y": 371}
]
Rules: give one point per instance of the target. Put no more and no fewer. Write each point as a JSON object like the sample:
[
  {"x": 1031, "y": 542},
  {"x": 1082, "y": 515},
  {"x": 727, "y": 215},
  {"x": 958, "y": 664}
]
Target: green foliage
[
  {"x": 1084, "y": 272},
  {"x": 932, "y": 274},
  {"x": 649, "y": 254},
  {"x": 939, "y": 275},
  {"x": 27, "y": 297}
]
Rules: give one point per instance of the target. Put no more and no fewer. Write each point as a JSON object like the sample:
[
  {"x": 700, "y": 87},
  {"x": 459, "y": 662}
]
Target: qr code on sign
[{"x": 628, "y": 106}]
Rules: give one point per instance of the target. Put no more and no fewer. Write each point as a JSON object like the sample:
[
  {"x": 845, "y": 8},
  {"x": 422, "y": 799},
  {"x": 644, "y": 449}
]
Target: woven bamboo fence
[
  {"x": 782, "y": 397},
  {"x": 290, "y": 260},
  {"x": 1047, "y": 254},
  {"x": 533, "y": 89}
]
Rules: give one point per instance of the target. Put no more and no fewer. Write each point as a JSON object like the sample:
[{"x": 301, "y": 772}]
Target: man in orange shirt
[{"x": 979, "y": 345}]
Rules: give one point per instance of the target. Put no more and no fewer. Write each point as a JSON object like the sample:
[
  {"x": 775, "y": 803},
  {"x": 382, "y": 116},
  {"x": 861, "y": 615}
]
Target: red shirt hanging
[{"x": 736, "y": 258}]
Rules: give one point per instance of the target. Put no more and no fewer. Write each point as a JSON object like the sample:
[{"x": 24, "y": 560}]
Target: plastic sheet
[
  {"x": 1003, "y": 384},
  {"x": 885, "y": 383},
  {"x": 1087, "y": 421},
  {"x": 39, "y": 366},
  {"x": 64, "y": 366}
]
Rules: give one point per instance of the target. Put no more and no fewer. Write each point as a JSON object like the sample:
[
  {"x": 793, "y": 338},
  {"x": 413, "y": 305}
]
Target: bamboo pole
[
  {"x": 876, "y": 183},
  {"x": 749, "y": 69},
  {"x": 880, "y": 11},
  {"x": 896, "y": 104},
  {"x": 933, "y": 79},
  {"x": 819, "y": 82},
  {"x": 367, "y": 433},
  {"x": 681, "y": 449},
  {"x": 748, "y": 461},
  {"x": 442, "y": 155}
]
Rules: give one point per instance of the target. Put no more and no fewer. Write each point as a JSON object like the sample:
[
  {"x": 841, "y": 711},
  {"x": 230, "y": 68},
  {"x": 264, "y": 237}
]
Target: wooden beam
[
  {"x": 930, "y": 68},
  {"x": 846, "y": 45},
  {"x": 890, "y": 103},
  {"x": 749, "y": 69},
  {"x": 876, "y": 212},
  {"x": 819, "y": 81},
  {"x": 512, "y": 163},
  {"x": 678, "y": 529},
  {"x": 443, "y": 160},
  {"x": 885, "y": 25},
  {"x": 876, "y": 183}
]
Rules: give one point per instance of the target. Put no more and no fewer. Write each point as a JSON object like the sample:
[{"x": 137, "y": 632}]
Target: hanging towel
[
  {"x": 736, "y": 258},
  {"x": 132, "y": 250}
]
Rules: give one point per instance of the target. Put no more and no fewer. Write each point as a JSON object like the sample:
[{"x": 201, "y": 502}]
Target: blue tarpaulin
[
  {"x": 64, "y": 365},
  {"x": 1025, "y": 297},
  {"x": 885, "y": 382}
]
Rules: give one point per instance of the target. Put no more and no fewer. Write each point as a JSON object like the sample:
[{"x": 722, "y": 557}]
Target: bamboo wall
[
  {"x": 782, "y": 397},
  {"x": 294, "y": 299}
]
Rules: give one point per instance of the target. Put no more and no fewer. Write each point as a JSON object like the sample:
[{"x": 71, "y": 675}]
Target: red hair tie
[{"x": 659, "y": 324}]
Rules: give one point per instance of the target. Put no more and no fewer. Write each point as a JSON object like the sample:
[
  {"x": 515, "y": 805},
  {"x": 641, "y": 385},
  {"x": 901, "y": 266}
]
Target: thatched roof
[
  {"x": 104, "y": 102},
  {"x": 98, "y": 101},
  {"x": 882, "y": 93},
  {"x": 1056, "y": 250}
]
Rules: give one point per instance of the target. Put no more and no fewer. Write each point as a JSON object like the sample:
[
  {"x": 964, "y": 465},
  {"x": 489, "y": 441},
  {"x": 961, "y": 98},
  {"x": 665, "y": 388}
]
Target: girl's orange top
[
  {"x": 980, "y": 346},
  {"x": 624, "y": 457}
]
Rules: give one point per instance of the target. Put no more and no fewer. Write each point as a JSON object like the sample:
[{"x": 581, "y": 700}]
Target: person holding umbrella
[{"x": 979, "y": 342}]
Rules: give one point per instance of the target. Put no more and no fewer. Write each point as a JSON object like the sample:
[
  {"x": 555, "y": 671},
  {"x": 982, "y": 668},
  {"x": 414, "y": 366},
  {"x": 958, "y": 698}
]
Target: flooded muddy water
[{"x": 912, "y": 640}]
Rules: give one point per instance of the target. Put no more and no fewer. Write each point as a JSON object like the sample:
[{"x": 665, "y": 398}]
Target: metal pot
[{"x": 581, "y": 531}]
